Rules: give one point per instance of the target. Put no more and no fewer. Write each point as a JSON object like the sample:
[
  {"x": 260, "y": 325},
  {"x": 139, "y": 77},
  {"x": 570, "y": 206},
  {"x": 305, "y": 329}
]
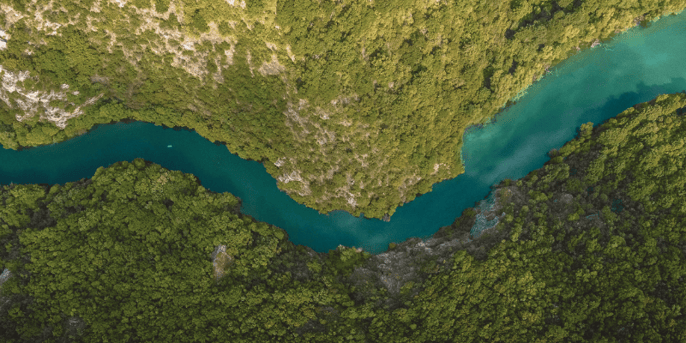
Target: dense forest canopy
[
  {"x": 590, "y": 247},
  {"x": 353, "y": 105}
]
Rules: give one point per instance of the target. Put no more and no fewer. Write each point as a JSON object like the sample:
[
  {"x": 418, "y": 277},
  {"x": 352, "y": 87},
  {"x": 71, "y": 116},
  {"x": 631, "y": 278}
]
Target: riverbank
[{"x": 558, "y": 232}]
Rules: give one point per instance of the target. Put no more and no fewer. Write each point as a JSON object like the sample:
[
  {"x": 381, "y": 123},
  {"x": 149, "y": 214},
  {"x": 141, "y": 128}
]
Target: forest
[
  {"x": 352, "y": 105},
  {"x": 590, "y": 247}
]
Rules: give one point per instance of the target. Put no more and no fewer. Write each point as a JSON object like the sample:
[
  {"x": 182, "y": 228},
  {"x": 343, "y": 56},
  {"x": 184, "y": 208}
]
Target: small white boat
[{"x": 169, "y": 146}]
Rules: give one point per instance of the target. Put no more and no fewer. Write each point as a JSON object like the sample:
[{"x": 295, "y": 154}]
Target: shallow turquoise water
[{"x": 593, "y": 85}]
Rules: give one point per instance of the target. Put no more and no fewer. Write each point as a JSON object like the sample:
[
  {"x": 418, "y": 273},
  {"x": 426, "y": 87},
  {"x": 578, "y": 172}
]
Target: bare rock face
[
  {"x": 220, "y": 260},
  {"x": 395, "y": 268},
  {"x": 271, "y": 68},
  {"x": 74, "y": 326},
  {"x": 3, "y": 40},
  {"x": 4, "y": 276},
  {"x": 566, "y": 198},
  {"x": 5, "y": 301},
  {"x": 489, "y": 212},
  {"x": 38, "y": 101}
]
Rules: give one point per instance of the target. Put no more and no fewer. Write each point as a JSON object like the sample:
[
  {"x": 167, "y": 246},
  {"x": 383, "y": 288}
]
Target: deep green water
[{"x": 593, "y": 85}]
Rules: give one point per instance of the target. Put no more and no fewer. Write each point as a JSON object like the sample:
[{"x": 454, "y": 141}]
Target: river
[{"x": 593, "y": 85}]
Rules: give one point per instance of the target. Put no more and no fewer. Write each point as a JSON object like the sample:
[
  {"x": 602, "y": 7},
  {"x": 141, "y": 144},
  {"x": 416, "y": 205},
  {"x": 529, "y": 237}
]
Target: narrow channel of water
[{"x": 593, "y": 85}]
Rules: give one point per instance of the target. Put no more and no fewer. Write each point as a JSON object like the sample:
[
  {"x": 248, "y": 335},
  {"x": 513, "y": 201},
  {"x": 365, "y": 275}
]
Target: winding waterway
[{"x": 593, "y": 85}]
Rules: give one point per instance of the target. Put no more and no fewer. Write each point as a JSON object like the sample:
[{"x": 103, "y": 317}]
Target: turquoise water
[{"x": 593, "y": 85}]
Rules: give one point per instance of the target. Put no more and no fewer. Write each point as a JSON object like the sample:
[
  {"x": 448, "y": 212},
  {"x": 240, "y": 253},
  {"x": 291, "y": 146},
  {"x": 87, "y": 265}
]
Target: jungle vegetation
[
  {"x": 590, "y": 247},
  {"x": 352, "y": 105}
]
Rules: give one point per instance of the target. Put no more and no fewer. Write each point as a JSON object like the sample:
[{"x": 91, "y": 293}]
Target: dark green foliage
[
  {"x": 171, "y": 22},
  {"x": 142, "y": 4},
  {"x": 161, "y": 6},
  {"x": 199, "y": 22},
  {"x": 129, "y": 253}
]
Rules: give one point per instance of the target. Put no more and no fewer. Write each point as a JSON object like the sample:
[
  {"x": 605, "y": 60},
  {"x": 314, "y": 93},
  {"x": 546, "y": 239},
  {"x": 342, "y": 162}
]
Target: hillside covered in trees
[
  {"x": 352, "y": 105},
  {"x": 590, "y": 247}
]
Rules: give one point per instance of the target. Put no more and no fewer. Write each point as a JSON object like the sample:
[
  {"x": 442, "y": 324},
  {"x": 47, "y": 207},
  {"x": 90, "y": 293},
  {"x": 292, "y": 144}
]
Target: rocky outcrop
[
  {"x": 4, "y": 276},
  {"x": 32, "y": 101},
  {"x": 3, "y": 40},
  {"x": 220, "y": 261}
]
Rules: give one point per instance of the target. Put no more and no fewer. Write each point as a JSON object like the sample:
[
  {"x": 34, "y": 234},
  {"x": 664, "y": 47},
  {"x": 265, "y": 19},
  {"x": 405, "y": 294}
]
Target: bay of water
[{"x": 593, "y": 85}]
